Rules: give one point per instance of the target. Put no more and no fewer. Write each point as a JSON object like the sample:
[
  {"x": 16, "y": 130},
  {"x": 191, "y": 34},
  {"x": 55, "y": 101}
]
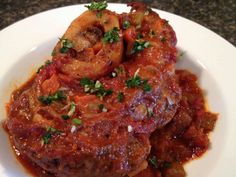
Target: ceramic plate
[{"x": 25, "y": 45}]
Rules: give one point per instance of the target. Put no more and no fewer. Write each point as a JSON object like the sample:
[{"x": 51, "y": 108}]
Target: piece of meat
[
  {"x": 111, "y": 138},
  {"x": 84, "y": 32}
]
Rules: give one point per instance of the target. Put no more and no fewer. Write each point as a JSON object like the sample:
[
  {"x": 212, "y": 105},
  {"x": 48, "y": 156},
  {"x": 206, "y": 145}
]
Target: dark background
[{"x": 217, "y": 15}]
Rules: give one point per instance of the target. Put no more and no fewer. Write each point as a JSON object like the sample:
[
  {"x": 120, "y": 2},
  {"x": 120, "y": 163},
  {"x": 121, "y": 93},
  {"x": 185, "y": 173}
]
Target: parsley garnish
[
  {"x": 66, "y": 44},
  {"x": 153, "y": 161},
  {"x": 139, "y": 36},
  {"x": 96, "y": 88},
  {"x": 133, "y": 82},
  {"x": 136, "y": 81},
  {"x": 58, "y": 96},
  {"x": 126, "y": 24},
  {"x": 102, "y": 108},
  {"x": 46, "y": 138},
  {"x": 71, "y": 111},
  {"x": 146, "y": 86},
  {"x": 48, "y": 135},
  {"x": 163, "y": 39},
  {"x": 120, "y": 96},
  {"x": 65, "y": 117},
  {"x": 140, "y": 45},
  {"x": 48, "y": 62},
  {"x": 166, "y": 164},
  {"x": 97, "y": 5},
  {"x": 111, "y": 36},
  {"x": 77, "y": 121}
]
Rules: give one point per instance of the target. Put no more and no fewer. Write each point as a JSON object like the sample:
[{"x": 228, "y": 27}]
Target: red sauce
[{"x": 185, "y": 137}]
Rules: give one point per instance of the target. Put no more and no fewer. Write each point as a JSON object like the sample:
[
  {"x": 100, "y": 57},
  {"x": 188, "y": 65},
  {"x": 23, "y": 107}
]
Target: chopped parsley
[
  {"x": 96, "y": 88},
  {"x": 120, "y": 96},
  {"x": 166, "y": 164},
  {"x": 163, "y": 39},
  {"x": 46, "y": 138},
  {"x": 66, "y": 44},
  {"x": 140, "y": 45},
  {"x": 48, "y": 135},
  {"x": 77, "y": 121},
  {"x": 139, "y": 36},
  {"x": 65, "y": 117},
  {"x": 136, "y": 81},
  {"x": 153, "y": 161},
  {"x": 102, "y": 108},
  {"x": 111, "y": 36},
  {"x": 48, "y": 62},
  {"x": 146, "y": 86},
  {"x": 126, "y": 24},
  {"x": 133, "y": 82},
  {"x": 58, "y": 96},
  {"x": 70, "y": 113},
  {"x": 97, "y": 5},
  {"x": 86, "y": 81},
  {"x": 72, "y": 109}
]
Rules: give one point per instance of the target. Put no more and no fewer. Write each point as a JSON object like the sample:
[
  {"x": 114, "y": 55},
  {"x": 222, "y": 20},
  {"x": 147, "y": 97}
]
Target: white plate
[{"x": 25, "y": 45}]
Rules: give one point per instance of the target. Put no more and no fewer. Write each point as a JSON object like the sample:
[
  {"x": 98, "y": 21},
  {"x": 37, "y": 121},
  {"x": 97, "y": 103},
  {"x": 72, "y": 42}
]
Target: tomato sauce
[{"x": 186, "y": 136}]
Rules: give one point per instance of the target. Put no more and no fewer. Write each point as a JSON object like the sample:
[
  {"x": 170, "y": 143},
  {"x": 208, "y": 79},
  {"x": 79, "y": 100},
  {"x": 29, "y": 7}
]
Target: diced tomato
[
  {"x": 50, "y": 85},
  {"x": 130, "y": 34}
]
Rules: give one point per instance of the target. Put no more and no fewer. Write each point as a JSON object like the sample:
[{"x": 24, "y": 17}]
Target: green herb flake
[
  {"x": 133, "y": 82},
  {"x": 140, "y": 45},
  {"x": 72, "y": 109},
  {"x": 163, "y": 39},
  {"x": 86, "y": 81},
  {"x": 120, "y": 96},
  {"x": 97, "y": 5},
  {"x": 102, "y": 108},
  {"x": 58, "y": 96},
  {"x": 48, "y": 135},
  {"x": 48, "y": 62},
  {"x": 66, "y": 44},
  {"x": 65, "y": 117},
  {"x": 77, "y": 121},
  {"x": 139, "y": 36},
  {"x": 46, "y": 138},
  {"x": 96, "y": 88},
  {"x": 153, "y": 161},
  {"x": 136, "y": 81},
  {"x": 166, "y": 164},
  {"x": 111, "y": 36},
  {"x": 146, "y": 87},
  {"x": 126, "y": 24}
]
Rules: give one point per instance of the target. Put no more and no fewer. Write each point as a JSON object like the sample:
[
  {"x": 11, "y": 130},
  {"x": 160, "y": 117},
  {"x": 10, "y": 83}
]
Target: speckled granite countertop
[{"x": 217, "y": 15}]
